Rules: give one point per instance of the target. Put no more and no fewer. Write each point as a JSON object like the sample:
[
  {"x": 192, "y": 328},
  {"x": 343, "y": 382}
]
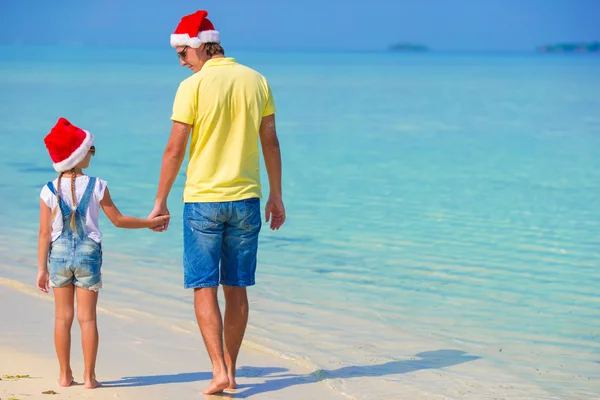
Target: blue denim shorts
[
  {"x": 76, "y": 261},
  {"x": 220, "y": 243}
]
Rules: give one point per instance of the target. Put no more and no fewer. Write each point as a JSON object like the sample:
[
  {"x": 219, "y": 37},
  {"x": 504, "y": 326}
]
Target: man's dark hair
[{"x": 213, "y": 49}]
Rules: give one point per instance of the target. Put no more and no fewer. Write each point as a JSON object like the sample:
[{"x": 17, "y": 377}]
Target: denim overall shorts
[{"x": 74, "y": 257}]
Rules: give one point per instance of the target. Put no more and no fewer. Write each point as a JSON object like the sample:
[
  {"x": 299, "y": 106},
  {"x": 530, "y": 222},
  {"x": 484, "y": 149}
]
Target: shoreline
[
  {"x": 135, "y": 360},
  {"x": 345, "y": 356},
  {"x": 139, "y": 358}
]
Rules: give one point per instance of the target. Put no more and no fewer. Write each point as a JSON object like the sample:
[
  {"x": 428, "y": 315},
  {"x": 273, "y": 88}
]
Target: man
[{"x": 227, "y": 107}]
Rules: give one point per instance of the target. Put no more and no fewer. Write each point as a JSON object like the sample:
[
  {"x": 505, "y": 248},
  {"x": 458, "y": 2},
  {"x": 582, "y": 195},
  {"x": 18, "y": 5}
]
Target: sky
[{"x": 445, "y": 25}]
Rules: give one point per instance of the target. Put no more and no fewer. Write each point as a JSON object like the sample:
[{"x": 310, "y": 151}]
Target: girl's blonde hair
[{"x": 72, "y": 196}]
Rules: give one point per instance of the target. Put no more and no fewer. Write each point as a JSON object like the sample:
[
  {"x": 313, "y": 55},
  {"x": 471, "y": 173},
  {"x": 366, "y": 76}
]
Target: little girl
[{"x": 69, "y": 245}]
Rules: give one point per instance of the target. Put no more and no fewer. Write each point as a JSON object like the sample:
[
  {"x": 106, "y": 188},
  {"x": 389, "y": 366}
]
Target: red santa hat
[
  {"x": 68, "y": 145},
  {"x": 193, "y": 30}
]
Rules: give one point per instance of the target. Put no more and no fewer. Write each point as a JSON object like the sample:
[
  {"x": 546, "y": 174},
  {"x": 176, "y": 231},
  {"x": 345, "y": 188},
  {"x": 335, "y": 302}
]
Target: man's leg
[
  {"x": 209, "y": 319},
  {"x": 238, "y": 269},
  {"x": 236, "y": 319},
  {"x": 203, "y": 237}
]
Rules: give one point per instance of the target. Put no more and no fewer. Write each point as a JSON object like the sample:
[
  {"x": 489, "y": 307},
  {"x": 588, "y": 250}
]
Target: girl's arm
[
  {"x": 44, "y": 239},
  {"x": 122, "y": 221}
]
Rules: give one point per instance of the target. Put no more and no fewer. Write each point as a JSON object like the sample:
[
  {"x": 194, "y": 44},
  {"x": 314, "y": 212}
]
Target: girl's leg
[
  {"x": 63, "y": 303},
  {"x": 86, "y": 315}
]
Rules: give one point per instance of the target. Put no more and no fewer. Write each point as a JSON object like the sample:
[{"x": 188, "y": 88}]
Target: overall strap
[
  {"x": 85, "y": 199},
  {"x": 64, "y": 208}
]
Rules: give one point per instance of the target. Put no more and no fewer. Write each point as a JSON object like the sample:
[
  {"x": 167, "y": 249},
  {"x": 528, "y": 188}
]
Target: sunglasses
[
  {"x": 181, "y": 54},
  {"x": 93, "y": 150}
]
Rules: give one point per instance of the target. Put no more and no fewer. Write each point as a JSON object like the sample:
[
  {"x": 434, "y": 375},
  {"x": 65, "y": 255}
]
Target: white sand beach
[
  {"x": 136, "y": 360},
  {"x": 142, "y": 359}
]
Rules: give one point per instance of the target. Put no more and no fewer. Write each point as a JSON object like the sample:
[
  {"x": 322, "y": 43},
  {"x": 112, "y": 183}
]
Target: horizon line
[{"x": 288, "y": 49}]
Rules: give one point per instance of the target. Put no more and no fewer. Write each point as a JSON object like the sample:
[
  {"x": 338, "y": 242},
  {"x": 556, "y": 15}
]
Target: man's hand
[
  {"x": 275, "y": 212},
  {"x": 160, "y": 210}
]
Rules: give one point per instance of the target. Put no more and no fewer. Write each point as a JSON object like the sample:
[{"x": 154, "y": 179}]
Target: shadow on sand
[{"x": 277, "y": 379}]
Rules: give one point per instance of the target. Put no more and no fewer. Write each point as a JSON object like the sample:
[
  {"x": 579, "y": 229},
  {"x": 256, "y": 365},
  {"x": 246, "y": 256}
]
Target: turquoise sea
[{"x": 443, "y": 209}]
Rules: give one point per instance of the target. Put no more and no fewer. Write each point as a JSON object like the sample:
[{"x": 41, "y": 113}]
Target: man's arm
[
  {"x": 274, "y": 210},
  {"x": 171, "y": 163}
]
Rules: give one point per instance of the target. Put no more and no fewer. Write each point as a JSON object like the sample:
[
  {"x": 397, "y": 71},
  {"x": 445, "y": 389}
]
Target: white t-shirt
[{"x": 81, "y": 182}]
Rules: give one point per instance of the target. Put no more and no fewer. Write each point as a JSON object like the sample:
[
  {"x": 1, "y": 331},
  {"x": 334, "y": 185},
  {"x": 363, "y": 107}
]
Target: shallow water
[{"x": 445, "y": 205}]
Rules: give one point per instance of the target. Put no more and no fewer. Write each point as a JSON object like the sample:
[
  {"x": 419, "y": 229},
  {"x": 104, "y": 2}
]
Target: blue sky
[{"x": 308, "y": 24}]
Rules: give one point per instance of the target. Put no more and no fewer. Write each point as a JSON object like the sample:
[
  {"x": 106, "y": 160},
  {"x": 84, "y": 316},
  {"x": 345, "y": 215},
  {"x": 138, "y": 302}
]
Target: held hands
[
  {"x": 275, "y": 211},
  {"x": 159, "y": 223},
  {"x": 43, "y": 280},
  {"x": 161, "y": 214}
]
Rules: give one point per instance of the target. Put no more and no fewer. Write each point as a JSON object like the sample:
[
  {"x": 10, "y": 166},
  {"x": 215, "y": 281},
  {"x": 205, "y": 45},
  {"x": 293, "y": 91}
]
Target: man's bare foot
[
  {"x": 232, "y": 383},
  {"x": 66, "y": 380},
  {"x": 218, "y": 384},
  {"x": 90, "y": 383}
]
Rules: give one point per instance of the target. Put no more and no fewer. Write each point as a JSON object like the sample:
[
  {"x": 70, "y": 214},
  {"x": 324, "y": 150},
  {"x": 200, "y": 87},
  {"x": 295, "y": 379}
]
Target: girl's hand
[
  {"x": 43, "y": 280},
  {"x": 160, "y": 210},
  {"x": 160, "y": 222}
]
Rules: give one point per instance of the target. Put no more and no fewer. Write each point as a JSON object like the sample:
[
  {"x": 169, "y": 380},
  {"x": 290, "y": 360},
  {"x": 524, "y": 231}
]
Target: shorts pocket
[
  {"x": 201, "y": 216},
  {"x": 57, "y": 265},
  {"x": 252, "y": 219},
  {"x": 53, "y": 257},
  {"x": 59, "y": 252},
  {"x": 89, "y": 252},
  {"x": 60, "y": 273},
  {"x": 88, "y": 275}
]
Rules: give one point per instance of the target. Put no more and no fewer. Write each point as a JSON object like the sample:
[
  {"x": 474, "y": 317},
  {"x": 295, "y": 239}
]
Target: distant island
[
  {"x": 593, "y": 47},
  {"x": 408, "y": 47}
]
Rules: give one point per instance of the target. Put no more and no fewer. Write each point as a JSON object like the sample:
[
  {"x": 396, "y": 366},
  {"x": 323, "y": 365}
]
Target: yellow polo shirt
[{"x": 224, "y": 102}]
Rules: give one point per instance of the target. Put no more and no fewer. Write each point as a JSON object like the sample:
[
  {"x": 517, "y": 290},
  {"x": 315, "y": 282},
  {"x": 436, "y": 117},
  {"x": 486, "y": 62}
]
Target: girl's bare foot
[
  {"x": 66, "y": 379},
  {"x": 218, "y": 384},
  {"x": 90, "y": 382}
]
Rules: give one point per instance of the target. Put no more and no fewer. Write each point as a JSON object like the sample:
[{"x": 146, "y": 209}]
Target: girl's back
[
  {"x": 67, "y": 189},
  {"x": 69, "y": 243}
]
